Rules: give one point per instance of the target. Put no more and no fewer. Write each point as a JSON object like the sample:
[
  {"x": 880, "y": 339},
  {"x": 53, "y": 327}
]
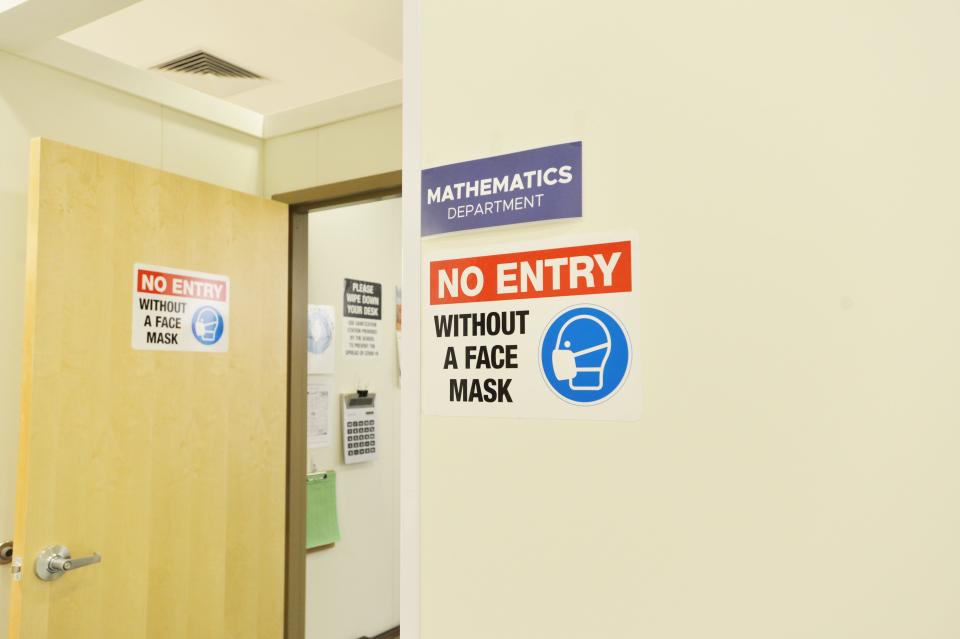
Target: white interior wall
[
  {"x": 353, "y": 588},
  {"x": 38, "y": 101},
  {"x": 791, "y": 171}
]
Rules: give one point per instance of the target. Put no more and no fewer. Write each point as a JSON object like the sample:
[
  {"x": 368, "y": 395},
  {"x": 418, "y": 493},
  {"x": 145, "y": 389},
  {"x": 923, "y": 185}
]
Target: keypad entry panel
[{"x": 359, "y": 428}]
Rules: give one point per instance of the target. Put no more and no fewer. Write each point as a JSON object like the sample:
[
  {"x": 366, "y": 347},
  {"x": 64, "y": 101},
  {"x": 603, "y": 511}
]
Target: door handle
[{"x": 54, "y": 561}]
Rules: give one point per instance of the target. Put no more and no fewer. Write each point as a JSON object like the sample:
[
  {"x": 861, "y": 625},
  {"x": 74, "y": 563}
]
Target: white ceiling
[
  {"x": 309, "y": 50},
  {"x": 322, "y": 60}
]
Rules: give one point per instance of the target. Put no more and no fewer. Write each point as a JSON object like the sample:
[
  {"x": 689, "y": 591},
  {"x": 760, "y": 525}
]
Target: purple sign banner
[{"x": 527, "y": 186}]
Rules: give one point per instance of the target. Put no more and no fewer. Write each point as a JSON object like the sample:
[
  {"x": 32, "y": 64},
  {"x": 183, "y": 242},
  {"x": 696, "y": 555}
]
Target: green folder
[{"x": 322, "y": 525}]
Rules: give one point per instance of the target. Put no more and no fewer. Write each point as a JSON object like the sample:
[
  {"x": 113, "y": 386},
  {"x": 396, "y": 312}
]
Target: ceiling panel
[{"x": 308, "y": 51}]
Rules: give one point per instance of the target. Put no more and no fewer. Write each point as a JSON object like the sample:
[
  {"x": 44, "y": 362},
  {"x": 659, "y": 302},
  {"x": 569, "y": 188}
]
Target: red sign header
[
  {"x": 575, "y": 270},
  {"x": 161, "y": 283}
]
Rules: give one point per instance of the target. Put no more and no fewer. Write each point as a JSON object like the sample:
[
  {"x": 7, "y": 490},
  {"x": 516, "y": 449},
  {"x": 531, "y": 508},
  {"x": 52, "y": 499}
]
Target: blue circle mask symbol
[
  {"x": 585, "y": 355},
  {"x": 207, "y": 325}
]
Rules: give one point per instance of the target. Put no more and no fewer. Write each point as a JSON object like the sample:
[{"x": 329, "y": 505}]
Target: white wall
[
  {"x": 791, "y": 169},
  {"x": 39, "y": 101},
  {"x": 353, "y": 588}
]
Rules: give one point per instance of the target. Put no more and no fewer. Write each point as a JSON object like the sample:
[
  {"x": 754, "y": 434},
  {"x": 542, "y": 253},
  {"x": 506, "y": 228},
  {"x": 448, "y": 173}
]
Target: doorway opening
[{"x": 344, "y": 476}]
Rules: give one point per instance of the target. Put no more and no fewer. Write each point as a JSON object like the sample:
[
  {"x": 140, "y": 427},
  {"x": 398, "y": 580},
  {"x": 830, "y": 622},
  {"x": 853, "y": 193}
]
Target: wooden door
[{"x": 168, "y": 463}]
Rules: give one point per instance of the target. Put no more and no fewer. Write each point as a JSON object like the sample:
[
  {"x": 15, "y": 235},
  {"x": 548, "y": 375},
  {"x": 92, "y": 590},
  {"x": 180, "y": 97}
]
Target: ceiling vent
[{"x": 203, "y": 63}]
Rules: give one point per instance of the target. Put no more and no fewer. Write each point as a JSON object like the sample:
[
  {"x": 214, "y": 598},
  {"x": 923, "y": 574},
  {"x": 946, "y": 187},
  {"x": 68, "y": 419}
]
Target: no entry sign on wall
[{"x": 545, "y": 329}]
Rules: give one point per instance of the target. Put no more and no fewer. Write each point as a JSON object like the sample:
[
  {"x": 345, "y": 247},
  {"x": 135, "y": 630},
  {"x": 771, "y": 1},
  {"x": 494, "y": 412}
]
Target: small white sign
[
  {"x": 321, "y": 354},
  {"x": 178, "y": 310},
  {"x": 319, "y": 391},
  {"x": 361, "y": 338}
]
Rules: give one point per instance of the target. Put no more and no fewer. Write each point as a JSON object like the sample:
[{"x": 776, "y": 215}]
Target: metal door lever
[{"x": 54, "y": 561}]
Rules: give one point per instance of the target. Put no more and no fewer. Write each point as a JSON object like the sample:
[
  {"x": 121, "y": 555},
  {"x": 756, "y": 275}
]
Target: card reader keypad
[
  {"x": 359, "y": 428},
  {"x": 361, "y": 437}
]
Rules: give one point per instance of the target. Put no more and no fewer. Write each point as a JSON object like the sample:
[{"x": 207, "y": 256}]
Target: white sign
[
  {"x": 319, "y": 391},
  {"x": 361, "y": 338},
  {"x": 542, "y": 329},
  {"x": 321, "y": 354},
  {"x": 178, "y": 310}
]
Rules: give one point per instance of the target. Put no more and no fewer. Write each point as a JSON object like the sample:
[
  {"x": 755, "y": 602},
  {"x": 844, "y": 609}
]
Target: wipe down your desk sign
[
  {"x": 542, "y": 329},
  {"x": 178, "y": 310},
  {"x": 528, "y": 186},
  {"x": 362, "y": 312}
]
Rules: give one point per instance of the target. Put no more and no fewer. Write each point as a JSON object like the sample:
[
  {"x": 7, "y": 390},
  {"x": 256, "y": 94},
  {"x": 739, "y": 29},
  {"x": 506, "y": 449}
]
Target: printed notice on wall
[
  {"x": 178, "y": 310},
  {"x": 321, "y": 356},
  {"x": 318, "y": 412},
  {"x": 362, "y": 311},
  {"x": 526, "y": 186},
  {"x": 545, "y": 329}
]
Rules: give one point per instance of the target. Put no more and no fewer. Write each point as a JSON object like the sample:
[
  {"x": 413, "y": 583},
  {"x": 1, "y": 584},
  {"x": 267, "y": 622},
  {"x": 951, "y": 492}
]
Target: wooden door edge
[
  {"x": 296, "y": 566},
  {"x": 26, "y": 380}
]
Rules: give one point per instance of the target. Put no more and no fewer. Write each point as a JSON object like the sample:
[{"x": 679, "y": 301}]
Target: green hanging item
[{"x": 322, "y": 525}]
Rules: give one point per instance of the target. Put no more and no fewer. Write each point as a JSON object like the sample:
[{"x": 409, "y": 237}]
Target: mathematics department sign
[
  {"x": 528, "y": 186},
  {"x": 545, "y": 329}
]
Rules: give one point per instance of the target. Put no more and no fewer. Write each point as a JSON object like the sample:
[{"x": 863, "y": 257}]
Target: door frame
[{"x": 300, "y": 203}]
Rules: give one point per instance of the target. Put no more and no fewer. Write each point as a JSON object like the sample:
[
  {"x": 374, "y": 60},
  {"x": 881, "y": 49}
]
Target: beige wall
[
  {"x": 791, "y": 169},
  {"x": 39, "y": 101},
  {"x": 361, "y": 146},
  {"x": 353, "y": 588}
]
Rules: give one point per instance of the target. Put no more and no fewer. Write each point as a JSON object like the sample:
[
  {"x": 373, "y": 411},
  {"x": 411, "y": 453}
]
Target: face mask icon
[
  {"x": 581, "y": 352},
  {"x": 206, "y": 326}
]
